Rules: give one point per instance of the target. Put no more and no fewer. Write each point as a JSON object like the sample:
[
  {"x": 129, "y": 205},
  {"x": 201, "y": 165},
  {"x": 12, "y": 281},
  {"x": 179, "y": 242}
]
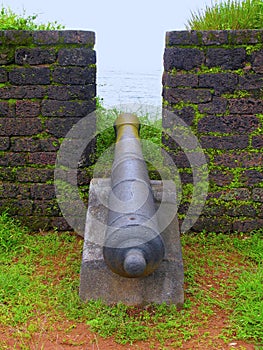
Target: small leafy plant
[
  {"x": 228, "y": 15},
  {"x": 9, "y": 20}
]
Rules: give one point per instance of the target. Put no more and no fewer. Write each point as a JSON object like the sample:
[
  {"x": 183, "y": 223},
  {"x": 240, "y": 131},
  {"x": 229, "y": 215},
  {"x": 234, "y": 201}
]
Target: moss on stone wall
[
  {"x": 47, "y": 83},
  {"x": 214, "y": 81}
]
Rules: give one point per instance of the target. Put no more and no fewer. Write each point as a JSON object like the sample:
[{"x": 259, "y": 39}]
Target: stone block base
[{"x": 97, "y": 281}]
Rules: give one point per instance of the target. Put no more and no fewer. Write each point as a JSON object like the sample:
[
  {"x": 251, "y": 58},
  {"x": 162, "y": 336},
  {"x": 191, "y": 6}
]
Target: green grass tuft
[
  {"x": 248, "y": 310},
  {"x": 11, "y": 235},
  {"x": 228, "y": 15}
]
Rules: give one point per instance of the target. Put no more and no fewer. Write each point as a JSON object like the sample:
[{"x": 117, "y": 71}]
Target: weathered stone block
[
  {"x": 36, "y": 223},
  {"x": 242, "y": 160},
  {"x": 225, "y": 142},
  {"x": 220, "y": 82},
  {"x": 257, "y": 141},
  {"x": 213, "y": 224},
  {"x": 226, "y": 58},
  {"x": 11, "y": 190},
  {"x": 27, "y": 109},
  {"x": 53, "y": 108},
  {"x": 68, "y": 92},
  {"x": 243, "y": 210},
  {"x": 231, "y": 124},
  {"x": 60, "y": 224},
  {"x": 76, "y": 57},
  {"x": 183, "y": 59},
  {"x": 18, "y": 37},
  {"x": 186, "y": 178},
  {"x": 35, "y": 56},
  {"x": 25, "y": 91},
  {"x": 27, "y": 174},
  {"x": 245, "y": 106},
  {"x": 42, "y": 191},
  {"x": 3, "y": 75},
  {"x": 250, "y": 82},
  {"x": 7, "y": 173},
  {"x": 97, "y": 281},
  {"x": 247, "y": 225},
  {"x": 74, "y": 75},
  {"x": 181, "y": 161},
  {"x": 45, "y": 208},
  {"x": 257, "y": 194},
  {"x": 7, "y": 55},
  {"x": 173, "y": 146},
  {"x": 176, "y": 95},
  {"x": 185, "y": 37},
  {"x": 182, "y": 80},
  {"x": 214, "y": 37},
  {"x": 221, "y": 178},
  {"x": 8, "y": 158},
  {"x": 29, "y": 144},
  {"x": 59, "y": 127},
  {"x": 6, "y": 109},
  {"x": 46, "y": 37},
  {"x": 257, "y": 61},
  {"x": 20, "y": 126},
  {"x": 218, "y": 105},
  {"x": 24, "y": 207},
  {"x": 251, "y": 177},
  {"x": 42, "y": 158},
  {"x": 235, "y": 194},
  {"x": 30, "y": 76},
  {"x": 51, "y": 37},
  {"x": 4, "y": 143},
  {"x": 187, "y": 114},
  {"x": 245, "y": 36},
  {"x": 77, "y": 37}
]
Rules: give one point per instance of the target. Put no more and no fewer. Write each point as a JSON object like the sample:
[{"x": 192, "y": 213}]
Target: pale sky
[{"x": 130, "y": 35}]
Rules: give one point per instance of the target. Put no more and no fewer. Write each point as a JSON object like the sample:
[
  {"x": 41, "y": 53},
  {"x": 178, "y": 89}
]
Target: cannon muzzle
[{"x": 133, "y": 246}]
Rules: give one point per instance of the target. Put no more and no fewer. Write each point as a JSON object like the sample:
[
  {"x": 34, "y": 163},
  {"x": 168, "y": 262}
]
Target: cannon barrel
[{"x": 133, "y": 246}]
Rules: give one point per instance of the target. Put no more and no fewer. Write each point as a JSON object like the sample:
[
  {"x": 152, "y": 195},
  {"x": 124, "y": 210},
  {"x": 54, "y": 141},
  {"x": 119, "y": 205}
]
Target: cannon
[{"x": 133, "y": 246}]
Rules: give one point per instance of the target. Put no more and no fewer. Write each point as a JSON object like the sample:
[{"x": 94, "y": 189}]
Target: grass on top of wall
[
  {"x": 9, "y": 20},
  {"x": 228, "y": 15}
]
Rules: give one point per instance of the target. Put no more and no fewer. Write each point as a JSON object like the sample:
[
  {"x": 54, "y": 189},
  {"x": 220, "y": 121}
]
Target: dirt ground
[{"x": 69, "y": 336}]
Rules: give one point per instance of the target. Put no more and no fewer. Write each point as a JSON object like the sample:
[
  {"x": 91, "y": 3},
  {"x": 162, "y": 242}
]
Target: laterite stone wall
[
  {"x": 214, "y": 82},
  {"x": 47, "y": 84}
]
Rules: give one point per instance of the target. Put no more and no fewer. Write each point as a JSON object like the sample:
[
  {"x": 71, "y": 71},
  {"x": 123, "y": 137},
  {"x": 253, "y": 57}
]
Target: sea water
[{"x": 116, "y": 87}]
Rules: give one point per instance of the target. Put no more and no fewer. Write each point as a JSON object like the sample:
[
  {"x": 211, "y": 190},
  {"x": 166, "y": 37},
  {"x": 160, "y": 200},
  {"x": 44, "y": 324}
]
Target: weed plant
[
  {"x": 11, "y": 235},
  {"x": 9, "y": 20},
  {"x": 228, "y": 15},
  {"x": 248, "y": 294}
]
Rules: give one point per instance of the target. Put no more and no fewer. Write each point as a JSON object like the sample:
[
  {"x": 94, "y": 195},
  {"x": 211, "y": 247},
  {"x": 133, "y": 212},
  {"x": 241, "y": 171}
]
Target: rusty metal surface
[{"x": 133, "y": 245}]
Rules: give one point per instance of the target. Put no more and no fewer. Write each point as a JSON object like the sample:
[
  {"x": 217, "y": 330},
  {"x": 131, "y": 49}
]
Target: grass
[
  {"x": 248, "y": 312},
  {"x": 39, "y": 280},
  {"x": 9, "y": 20},
  {"x": 228, "y": 15}
]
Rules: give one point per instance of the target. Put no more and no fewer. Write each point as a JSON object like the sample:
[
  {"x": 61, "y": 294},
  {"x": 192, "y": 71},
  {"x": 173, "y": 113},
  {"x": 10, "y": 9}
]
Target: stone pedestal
[{"x": 97, "y": 281}]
